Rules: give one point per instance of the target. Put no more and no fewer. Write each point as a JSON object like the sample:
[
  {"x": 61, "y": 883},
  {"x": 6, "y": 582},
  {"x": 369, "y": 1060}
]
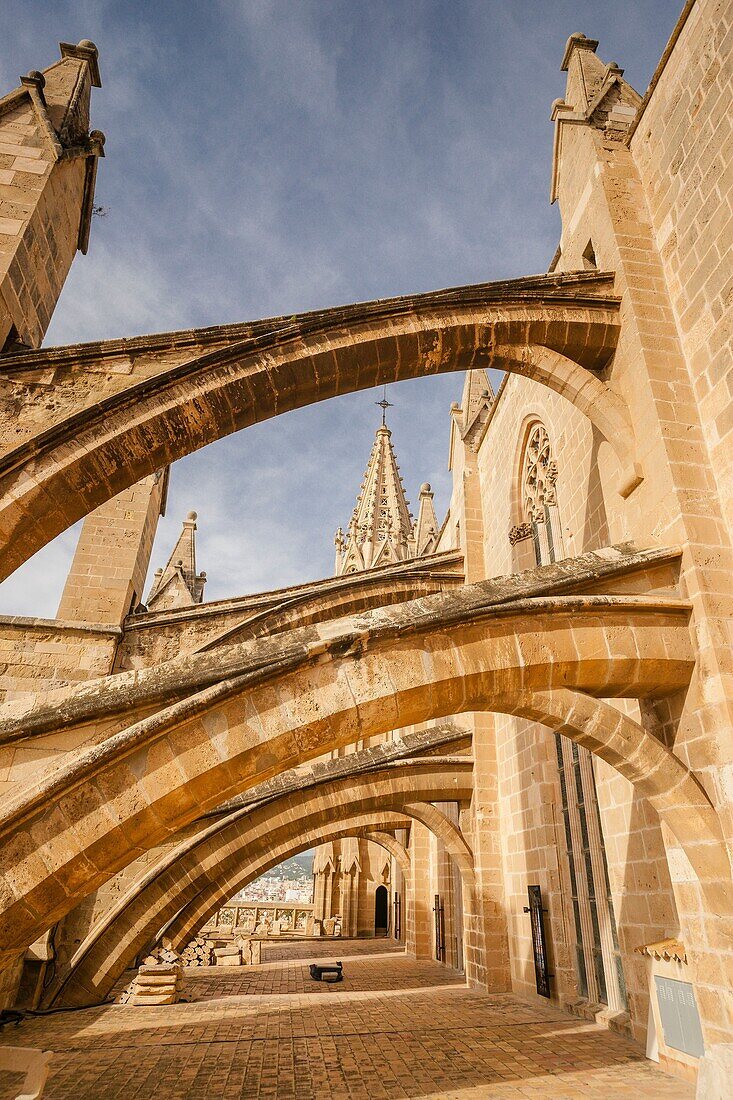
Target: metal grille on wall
[
  {"x": 539, "y": 944},
  {"x": 439, "y": 929}
]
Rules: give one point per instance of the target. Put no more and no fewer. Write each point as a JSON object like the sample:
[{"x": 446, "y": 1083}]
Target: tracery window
[
  {"x": 539, "y": 499},
  {"x": 597, "y": 956}
]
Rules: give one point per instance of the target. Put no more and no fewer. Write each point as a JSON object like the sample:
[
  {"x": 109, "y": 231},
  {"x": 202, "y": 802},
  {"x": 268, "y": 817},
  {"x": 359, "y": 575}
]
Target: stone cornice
[
  {"x": 26, "y": 622},
  {"x": 266, "y": 601}
]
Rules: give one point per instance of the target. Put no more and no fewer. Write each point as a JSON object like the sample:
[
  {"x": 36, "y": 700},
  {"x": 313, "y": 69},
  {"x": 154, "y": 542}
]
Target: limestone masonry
[{"x": 507, "y": 732}]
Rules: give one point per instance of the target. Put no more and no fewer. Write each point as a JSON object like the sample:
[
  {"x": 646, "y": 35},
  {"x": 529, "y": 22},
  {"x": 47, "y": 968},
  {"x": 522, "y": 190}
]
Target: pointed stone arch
[
  {"x": 391, "y": 846},
  {"x": 397, "y": 811},
  {"x": 450, "y": 835},
  {"x": 118, "y": 411},
  {"x": 193, "y": 880},
  {"x": 358, "y": 678}
]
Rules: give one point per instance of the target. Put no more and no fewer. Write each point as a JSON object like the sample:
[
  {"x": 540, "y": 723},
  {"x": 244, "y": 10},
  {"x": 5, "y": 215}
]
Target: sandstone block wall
[
  {"x": 39, "y": 225},
  {"x": 592, "y": 514},
  {"x": 683, "y": 148},
  {"x": 640, "y": 880},
  {"x": 40, "y": 654},
  {"x": 36, "y": 656},
  {"x": 106, "y": 579}
]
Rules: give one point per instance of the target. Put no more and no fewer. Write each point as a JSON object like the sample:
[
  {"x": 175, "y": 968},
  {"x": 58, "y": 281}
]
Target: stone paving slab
[
  {"x": 421, "y": 1033},
  {"x": 290, "y": 976},
  {"x": 321, "y": 948}
]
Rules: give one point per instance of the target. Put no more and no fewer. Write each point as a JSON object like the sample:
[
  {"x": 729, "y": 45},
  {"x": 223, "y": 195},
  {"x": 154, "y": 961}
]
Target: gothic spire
[
  {"x": 476, "y": 403},
  {"x": 477, "y": 395},
  {"x": 426, "y": 527},
  {"x": 380, "y": 528},
  {"x": 179, "y": 585}
]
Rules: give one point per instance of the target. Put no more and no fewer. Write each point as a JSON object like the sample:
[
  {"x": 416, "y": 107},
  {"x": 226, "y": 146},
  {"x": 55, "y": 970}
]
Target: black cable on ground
[{"x": 17, "y": 1016}]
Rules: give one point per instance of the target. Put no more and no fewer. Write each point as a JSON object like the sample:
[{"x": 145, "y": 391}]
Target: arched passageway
[
  {"x": 197, "y": 877},
  {"x": 381, "y": 911}
]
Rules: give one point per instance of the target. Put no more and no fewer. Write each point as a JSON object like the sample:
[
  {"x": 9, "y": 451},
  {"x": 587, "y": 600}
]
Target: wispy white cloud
[
  {"x": 35, "y": 589},
  {"x": 292, "y": 58},
  {"x": 266, "y": 157}
]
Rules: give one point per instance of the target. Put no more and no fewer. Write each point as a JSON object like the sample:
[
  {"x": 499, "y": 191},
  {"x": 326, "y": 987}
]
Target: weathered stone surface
[
  {"x": 172, "y": 400},
  {"x": 152, "y": 762}
]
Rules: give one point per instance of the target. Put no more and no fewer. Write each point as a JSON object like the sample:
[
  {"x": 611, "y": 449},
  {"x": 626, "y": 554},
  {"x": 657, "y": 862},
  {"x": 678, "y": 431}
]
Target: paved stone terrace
[
  {"x": 310, "y": 950},
  {"x": 394, "y": 1028}
]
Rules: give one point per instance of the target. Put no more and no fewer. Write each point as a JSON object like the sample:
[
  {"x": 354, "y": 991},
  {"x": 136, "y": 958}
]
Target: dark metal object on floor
[{"x": 333, "y": 973}]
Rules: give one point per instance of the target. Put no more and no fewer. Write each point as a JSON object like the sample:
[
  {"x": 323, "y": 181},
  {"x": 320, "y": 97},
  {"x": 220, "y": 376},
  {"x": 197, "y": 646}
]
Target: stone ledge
[{"x": 60, "y": 625}]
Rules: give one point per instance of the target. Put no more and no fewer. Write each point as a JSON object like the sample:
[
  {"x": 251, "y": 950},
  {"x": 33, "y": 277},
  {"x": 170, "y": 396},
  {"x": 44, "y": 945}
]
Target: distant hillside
[{"x": 300, "y": 863}]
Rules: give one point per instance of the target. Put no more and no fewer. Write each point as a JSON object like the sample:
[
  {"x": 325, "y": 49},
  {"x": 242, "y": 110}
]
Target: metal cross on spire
[{"x": 384, "y": 404}]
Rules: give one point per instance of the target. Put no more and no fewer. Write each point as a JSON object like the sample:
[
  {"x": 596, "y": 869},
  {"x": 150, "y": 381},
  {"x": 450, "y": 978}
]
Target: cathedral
[{"x": 505, "y": 732}]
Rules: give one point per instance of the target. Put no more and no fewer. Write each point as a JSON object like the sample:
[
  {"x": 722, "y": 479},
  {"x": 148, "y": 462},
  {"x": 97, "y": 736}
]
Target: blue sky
[{"x": 273, "y": 156}]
